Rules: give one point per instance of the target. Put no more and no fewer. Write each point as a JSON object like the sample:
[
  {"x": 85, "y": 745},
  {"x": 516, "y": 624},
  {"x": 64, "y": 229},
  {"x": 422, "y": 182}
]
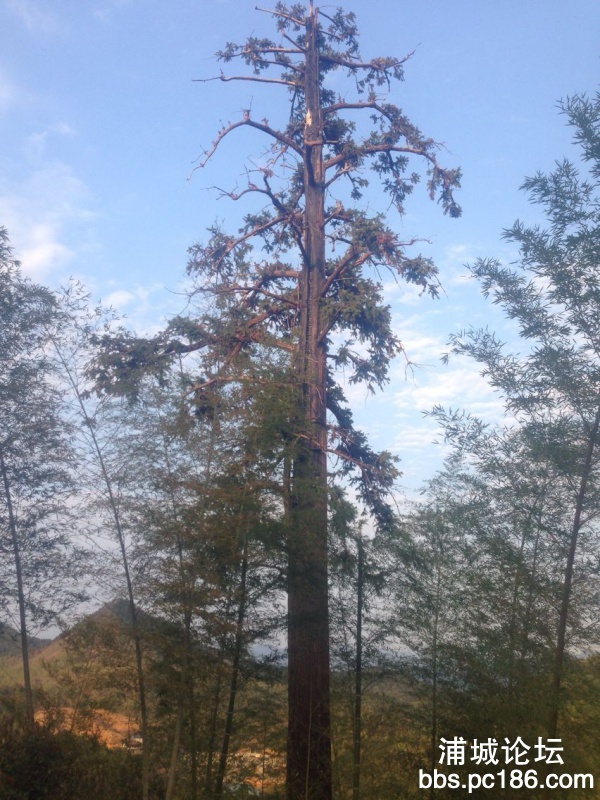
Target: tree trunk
[
  {"x": 357, "y": 730},
  {"x": 214, "y": 720},
  {"x": 12, "y": 524},
  {"x": 135, "y": 628},
  {"x": 235, "y": 671},
  {"x": 172, "y": 776},
  {"x": 568, "y": 581},
  {"x": 434, "y": 668},
  {"x": 309, "y": 735}
]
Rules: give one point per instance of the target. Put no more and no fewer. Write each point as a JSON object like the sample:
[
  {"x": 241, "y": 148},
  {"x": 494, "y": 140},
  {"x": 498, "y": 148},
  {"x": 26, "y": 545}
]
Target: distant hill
[
  {"x": 118, "y": 608},
  {"x": 117, "y": 613},
  {"x": 52, "y": 651},
  {"x": 103, "y": 634},
  {"x": 10, "y": 641},
  {"x": 50, "y": 657}
]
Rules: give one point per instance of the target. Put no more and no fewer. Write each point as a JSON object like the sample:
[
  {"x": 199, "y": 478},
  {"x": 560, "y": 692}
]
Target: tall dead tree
[{"x": 298, "y": 276}]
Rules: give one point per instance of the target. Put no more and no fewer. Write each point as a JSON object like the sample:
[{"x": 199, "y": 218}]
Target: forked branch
[{"x": 247, "y": 121}]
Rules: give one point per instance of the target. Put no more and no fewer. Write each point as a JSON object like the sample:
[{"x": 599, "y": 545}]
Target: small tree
[
  {"x": 35, "y": 462},
  {"x": 360, "y": 627},
  {"x": 204, "y": 520},
  {"x": 554, "y": 294},
  {"x": 298, "y": 277},
  {"x": 71, "y": 345},
  {"x": 481, "y": 621}
]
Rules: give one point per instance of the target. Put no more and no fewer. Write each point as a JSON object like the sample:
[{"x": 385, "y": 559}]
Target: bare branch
[
  {"x": 256, "y": 55},
  {"x": 328, "y": 33},
  {"x": 340, "y": 213},
  {"x": 364, "y": 467},
  {"x": 256, "y": 231},
  {"x": 280, "y": 137},
  {"x": 297, "y": 22},
  {"x": 285, "y": 50},
  {"x": 292, "y": 214},
  {"x": 346, "y": 169},
  {"x": 289, "y": 38},
  {"x": 274, "y": 199},
  {"x": 251, "y": 189},
  {"x": 348, "y": 106},
  {"x": 376, "y": 64},
  {"x": 256, "y": 289},
  {"x": 294, "y": 274},
  {"x": 221, "y": 379},
  {"x": 343, "y": 266},
  {"x": 279, "y": 297},
  {"x": 254, "y": 79},
  {"x": 366, "y": 150}
]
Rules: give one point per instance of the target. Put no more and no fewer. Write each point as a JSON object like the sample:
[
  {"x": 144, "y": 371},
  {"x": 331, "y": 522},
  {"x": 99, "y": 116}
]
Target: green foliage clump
[{"x": 42, "y": 765}]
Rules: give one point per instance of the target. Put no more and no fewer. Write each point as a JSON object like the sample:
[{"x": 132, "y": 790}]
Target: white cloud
[
  {"x": 34, "y": 15},
  {"x": 459, "y": 386},
  {"x": 423, "y": 350},
  {"x": 107, "y": 8},
  {"x": 431, "y": 382},
  {"x": 35, "y": 144},
  {"x": 142, "y": 308},
  {"x": 42, "y": 214},
  {"x": 457, "y": 252},
  {"x": 413, "y": 437},
  {"x": 119, "y": 299},
  {"x": 42, "y": 250},
  {"x": 64, "y": 129}
]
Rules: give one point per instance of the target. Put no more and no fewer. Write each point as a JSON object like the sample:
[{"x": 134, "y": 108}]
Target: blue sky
[{"x": 101, "y": 120}]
